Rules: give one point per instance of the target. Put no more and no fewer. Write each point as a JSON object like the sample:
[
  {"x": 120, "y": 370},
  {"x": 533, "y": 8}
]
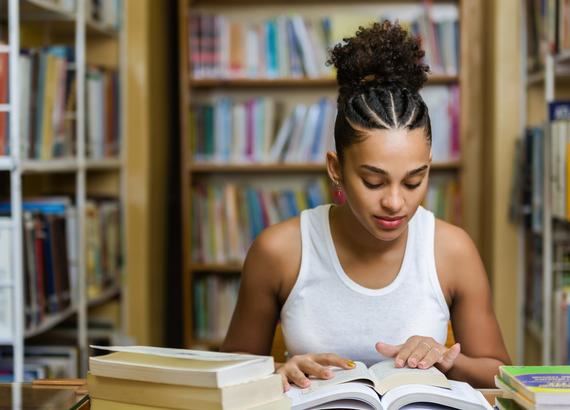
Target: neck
[{"x": 348, "y": 229}]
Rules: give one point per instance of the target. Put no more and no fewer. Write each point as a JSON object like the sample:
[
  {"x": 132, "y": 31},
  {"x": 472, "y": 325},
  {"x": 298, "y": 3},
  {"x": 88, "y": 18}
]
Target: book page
[
  {"x": 182, "y": 353},
  {"x": 461, "y": 395},
  {"x": 387, "y": 376},
  {"x": 360, "y": 372},
  {"x": 352, "y": 395}
]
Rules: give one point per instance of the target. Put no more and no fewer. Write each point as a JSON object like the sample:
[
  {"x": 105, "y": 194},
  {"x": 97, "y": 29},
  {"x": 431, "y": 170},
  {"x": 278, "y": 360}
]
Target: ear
[
  {"x": 333, "y": 167},
  {"x": 430, "y": 157}
]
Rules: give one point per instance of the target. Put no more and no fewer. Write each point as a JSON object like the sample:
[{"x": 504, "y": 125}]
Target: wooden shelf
[
  {"x": 105, "y": 296},
  {"x": 53, "y": 165},
  {"x": 290, "y": 82},
  {"x": 103, "y": 164},
  {"x": 537, "y": 77},
  {"x": 213, "y": 267},
  {"x": 96, "y": 28},
  {"x": 44, "y": 10},
  {"x": 287, "y": 168},
  {"x": 50, "y": 321},
  {"x": 253, "y": 168},
  {"x": 563, "y": 57}
]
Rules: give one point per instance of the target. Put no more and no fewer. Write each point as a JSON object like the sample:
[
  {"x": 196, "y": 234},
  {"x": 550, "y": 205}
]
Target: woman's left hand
[{"x": 421, "y": 352}]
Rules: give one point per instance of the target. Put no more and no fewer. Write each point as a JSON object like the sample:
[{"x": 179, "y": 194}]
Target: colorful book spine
[{"x": 244, "y": 211}]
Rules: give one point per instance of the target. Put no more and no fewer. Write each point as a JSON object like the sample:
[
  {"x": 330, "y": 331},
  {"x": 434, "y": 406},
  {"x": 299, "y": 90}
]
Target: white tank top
[{"x": 326, "y": 311}]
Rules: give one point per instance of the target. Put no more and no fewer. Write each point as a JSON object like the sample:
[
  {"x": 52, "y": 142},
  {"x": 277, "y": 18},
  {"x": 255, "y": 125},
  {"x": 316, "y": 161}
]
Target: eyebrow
[{"x": 377, "y": 170}]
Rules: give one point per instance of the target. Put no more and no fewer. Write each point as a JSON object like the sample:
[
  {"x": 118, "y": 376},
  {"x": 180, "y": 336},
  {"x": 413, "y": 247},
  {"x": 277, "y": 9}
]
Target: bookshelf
[
  {"x": 79, "y": 36},
  {"x": 544, "y": 230},
  {"x": 464, "y": 169}
]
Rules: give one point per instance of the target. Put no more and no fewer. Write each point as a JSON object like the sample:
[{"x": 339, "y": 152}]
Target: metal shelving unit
[{"x": 70, "y": 21}]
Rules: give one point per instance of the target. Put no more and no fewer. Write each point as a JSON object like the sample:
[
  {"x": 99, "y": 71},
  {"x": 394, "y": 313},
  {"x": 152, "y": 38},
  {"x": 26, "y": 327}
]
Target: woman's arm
[
  {"x": 474, "y": 323},
  {"x": 258, "y": 306}
]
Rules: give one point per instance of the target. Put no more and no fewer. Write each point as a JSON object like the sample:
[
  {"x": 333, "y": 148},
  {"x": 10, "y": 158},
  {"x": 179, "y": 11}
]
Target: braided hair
[{"x": 379, "y": 73}]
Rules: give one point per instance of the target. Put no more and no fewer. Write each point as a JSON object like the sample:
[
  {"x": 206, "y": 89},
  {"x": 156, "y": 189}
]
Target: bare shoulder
[
  {"x": 274, "y": 257},
  {"x": 457, "y": 259}
]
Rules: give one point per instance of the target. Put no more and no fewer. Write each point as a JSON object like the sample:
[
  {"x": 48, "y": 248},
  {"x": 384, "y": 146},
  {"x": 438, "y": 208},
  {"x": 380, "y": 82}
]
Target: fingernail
[
  {"x": 327, "y": 374},
  {"x": 350, "y": 363},
  {"x": 412, "y": 363},
  {"x": 399, "y": 363},
  {"x": 422, "y": 364}
]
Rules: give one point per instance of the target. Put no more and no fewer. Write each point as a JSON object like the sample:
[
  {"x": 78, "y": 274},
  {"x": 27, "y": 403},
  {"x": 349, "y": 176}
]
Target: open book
[{"x": 384, "y": 387}]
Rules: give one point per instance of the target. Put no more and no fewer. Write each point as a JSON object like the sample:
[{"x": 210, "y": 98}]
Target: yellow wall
[
  {"x": 148, "y": 133},
  {"x": 502, "y": 119}
]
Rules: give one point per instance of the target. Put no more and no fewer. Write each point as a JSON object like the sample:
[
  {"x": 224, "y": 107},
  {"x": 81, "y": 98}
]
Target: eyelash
[{"x": 376, "y": 186}]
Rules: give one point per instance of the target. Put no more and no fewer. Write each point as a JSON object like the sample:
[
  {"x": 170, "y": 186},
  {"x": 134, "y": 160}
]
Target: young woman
[{"x": 377, "y": 276}]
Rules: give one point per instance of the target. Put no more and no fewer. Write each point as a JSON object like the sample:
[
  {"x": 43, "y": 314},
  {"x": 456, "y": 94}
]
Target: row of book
[
  {"x": 103, "y": 245},
  {"x": 548, "y": 28},
  {"x": 296, "y": 46},
  {"x": 102, "y": 113},
  {"x": 51, "y": 257},
  {"x": 234, "y": 132},
  {"x": 214, "y": 298},
  {"x": 533, "y": 387},
  {"x": 259, "y": 131},
  {"x": 4, "y": 90},
  {"x": 561, "y": 347},
  {"x": 530, "y": 173},
  {"x": 444, "y": 198},
  {"x": 560, "y": 158},
  {"x": 42, "y": 362},
  {"x": 226, "y": 218},
  {"x": 48, "y": 105}
]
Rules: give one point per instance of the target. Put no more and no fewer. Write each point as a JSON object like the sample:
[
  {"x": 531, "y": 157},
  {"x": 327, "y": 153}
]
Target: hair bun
[{"x": 381, "y": 55}]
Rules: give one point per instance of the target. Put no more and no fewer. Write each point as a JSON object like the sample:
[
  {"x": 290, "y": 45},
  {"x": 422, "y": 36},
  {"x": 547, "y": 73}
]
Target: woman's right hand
[{"x": 298, "y": 369}]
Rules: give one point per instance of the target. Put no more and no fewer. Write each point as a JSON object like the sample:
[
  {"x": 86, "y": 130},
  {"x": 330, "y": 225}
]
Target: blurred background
[{"x": 144, "y": 144}]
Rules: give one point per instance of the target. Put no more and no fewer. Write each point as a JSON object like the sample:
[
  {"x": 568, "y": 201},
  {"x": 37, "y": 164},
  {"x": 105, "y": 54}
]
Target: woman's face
[{"x": 385, "y": 178}]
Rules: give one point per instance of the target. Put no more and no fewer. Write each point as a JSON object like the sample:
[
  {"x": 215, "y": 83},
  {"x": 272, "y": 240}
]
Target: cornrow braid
[
  {"x": 379, "y": 72},
  {"x": 379, "y": 108}
]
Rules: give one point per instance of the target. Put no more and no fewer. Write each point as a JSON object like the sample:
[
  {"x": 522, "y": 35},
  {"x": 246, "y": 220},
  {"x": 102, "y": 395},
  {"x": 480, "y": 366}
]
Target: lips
[{"x": 387, "y": 222}]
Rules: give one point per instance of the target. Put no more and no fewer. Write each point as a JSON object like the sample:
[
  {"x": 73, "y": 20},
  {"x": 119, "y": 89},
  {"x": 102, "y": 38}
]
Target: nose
[{"x": 393, "y": 200}]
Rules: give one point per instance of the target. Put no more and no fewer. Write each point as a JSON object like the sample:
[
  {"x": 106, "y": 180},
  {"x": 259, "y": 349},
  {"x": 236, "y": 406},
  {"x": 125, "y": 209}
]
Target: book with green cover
[{"x": 542, "y": 385}]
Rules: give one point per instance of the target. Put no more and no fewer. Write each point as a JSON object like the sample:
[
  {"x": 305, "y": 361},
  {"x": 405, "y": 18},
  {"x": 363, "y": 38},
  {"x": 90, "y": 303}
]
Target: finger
[
  {"x": 387, "y": 350},
  {"x": 314, "y": 369},
  {"x": 435, "y": 355},
  {"x": 419, "y": 353},
  {"x": 448, "y": 358},
  {"x": 406, "y": 351},
  {"x": 331, "y": 359},
  {"x": 297, "y": 377},
  {"x": 285, "y": 382}
]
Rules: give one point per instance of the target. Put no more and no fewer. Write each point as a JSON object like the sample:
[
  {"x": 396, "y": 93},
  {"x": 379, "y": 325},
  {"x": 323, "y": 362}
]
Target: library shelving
[
  {"x": 254, "y": 60},
  {"x": 54, "y": 175},
  {"x": 544, "y": 220}
]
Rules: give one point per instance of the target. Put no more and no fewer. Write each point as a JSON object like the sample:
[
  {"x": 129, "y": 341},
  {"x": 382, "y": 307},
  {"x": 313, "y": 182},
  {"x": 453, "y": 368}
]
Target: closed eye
[
  {"x": 412, "y": 186},
  {"x": 371, "y": 186}
]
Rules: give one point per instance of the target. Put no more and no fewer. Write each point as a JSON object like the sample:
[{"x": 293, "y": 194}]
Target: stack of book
[
  {"x": 139, "y": 377},
  {"x": 534, "y": 387}
]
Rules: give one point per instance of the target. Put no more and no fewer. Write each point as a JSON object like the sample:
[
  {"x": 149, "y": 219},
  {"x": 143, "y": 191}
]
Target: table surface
[
  {"x": 72, "y": 394},
  {"x": 30, "y": 396}
]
